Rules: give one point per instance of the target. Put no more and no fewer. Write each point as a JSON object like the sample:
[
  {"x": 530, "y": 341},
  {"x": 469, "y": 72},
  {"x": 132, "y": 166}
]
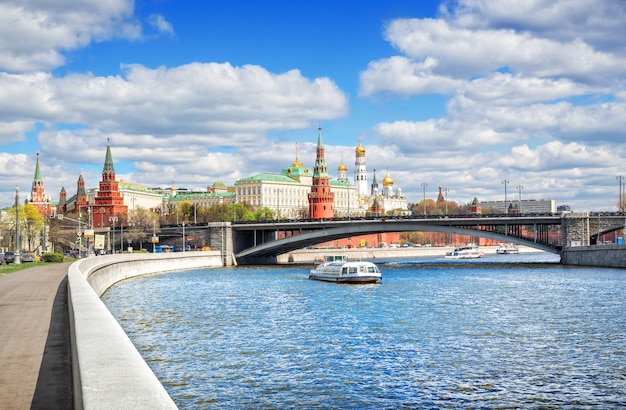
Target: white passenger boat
[
  {"x": 507, "y": 249},
  {"x": 470, "y": 251},
  {"x": 337, "y": 268}
]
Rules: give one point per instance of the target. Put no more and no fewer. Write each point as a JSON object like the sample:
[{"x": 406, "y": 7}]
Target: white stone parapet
[{"x": 108, "y": 371}]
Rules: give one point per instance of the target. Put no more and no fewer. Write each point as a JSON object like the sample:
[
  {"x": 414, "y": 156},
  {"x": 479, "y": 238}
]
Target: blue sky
[{"x": 462, "y": 94}]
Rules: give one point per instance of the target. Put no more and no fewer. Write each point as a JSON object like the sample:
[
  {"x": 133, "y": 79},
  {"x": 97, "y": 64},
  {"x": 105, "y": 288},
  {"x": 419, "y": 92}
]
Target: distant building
[
  {"x": 387, "y": 201},
  {"x": 528, "y": 206},
  {"x": 138, "y": 196},
  {"x": 564, "y": 208},
  {"x": 287, "y": 193},
  {"x": 216, "y": 194}
]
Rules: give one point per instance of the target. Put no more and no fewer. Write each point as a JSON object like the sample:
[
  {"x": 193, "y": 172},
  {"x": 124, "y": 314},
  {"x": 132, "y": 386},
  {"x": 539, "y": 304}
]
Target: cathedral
[{"x": 377, "y": 202}]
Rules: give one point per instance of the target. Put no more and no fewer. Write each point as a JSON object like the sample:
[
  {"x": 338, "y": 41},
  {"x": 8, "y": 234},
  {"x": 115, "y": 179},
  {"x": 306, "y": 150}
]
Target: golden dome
[
  {"x": 360, "y": 150},
  {"x": 387, "y": 181},
  {"x": 342, "y": 167},
  {"x": 296, "y": 163}
]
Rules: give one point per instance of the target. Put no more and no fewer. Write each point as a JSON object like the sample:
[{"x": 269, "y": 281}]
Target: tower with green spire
[
  {"x": 321, "y": 198},
  {"x": 108, "y": 172},
  {"x": 38, "y": 197},
  {"x": 108, "y": 202}
]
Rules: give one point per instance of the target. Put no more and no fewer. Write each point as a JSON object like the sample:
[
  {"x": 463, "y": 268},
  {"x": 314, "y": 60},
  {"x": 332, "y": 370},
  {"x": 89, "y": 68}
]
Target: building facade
[{"x": 527, "y": 206}]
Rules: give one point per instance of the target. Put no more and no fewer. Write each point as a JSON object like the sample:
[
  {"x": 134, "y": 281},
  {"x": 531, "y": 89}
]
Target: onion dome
[
  {"x": 387, "y": 181},
  {"x": 360, "y": 150},
  {"x": 342, "y": 167},
  {"x": 297, "y": 163}
]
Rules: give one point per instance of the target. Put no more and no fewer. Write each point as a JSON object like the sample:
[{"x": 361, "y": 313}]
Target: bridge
[{"x": 261, "y": 242}]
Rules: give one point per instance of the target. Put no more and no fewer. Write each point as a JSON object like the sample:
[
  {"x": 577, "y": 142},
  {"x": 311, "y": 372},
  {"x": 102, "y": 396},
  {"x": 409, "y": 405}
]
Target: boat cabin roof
[{"x": 335, "y": 258}]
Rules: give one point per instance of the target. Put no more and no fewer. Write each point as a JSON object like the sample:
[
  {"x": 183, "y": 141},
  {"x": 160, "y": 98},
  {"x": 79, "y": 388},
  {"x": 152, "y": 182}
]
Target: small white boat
[
  {"x": 337, "y": 268},
  {"x": 470, "y": 251},
  {"x": 507, "y": 249}
]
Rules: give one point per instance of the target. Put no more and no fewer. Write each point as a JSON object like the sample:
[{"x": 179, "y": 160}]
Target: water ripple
[{"x": 444, "y": 337}]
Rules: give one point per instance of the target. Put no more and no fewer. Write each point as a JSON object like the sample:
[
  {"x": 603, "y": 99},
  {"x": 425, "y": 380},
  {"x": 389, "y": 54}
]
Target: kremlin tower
[
  {"x": 38, "y": 197},
  {"x": 108, "y": 202},
  {"x": 360, "y": 173},
  {"x": 321, "y": 197},
  {"x": 82, "y": 200}
]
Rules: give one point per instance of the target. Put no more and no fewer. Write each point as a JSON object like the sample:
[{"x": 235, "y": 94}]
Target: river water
[{"x": 433, "y": 335}]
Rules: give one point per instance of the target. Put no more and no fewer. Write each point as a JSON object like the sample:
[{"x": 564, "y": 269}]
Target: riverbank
[{"x": 313, "y": 255}]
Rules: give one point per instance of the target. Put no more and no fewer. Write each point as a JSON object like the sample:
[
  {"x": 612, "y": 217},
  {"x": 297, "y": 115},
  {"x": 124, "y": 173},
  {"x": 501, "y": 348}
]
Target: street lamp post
[
  {"x": 424, "y": 185},
  {"x": 90, "y": 250},
  {"x": 506, "y": 204},
  {"x": 184, "y": 236},
  {"x": 519, "y": 190},
  {"x": 17, "y": 224},
  {"x": 621, "y": 194},
  {"x": 113, "y": 220},
  {"x": 277, "y": 204}
]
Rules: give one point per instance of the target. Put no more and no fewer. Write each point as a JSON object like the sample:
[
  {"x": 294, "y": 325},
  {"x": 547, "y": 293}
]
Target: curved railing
[{"x": 108, "y": 371}]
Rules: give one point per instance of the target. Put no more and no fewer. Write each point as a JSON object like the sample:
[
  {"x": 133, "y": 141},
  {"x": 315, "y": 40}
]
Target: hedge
[{"x": 52, "y": 257}]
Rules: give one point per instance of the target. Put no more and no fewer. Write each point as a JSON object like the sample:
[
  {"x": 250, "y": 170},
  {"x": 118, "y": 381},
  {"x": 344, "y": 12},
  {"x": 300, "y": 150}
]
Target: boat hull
[{"x": 345, "y": 279}]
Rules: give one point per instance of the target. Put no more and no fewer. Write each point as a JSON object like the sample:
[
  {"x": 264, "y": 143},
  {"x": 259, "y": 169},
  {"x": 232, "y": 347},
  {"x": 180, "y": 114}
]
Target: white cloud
[
  {"x": 34, "y": 34},
  {"x": 465, "y": 53},
  {"x": 404, "y": 77},
  {"x": 596, "y": 23},
  {"x": 209, "y": 99},
  {"x": 162, "y": 25}
]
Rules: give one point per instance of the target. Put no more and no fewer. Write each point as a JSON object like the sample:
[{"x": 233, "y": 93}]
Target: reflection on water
[{"x": 428, "y": 336}]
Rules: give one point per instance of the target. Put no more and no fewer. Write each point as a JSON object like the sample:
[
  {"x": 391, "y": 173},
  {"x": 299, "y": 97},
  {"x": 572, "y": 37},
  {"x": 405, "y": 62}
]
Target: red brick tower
[
  {"x": 108, "y": 202},
  {"x": 82, "y": 200},
  {"x": 38, "y": 197},
  {"x": 320, "y": 198},
  {"x": 62, "y": 205}
]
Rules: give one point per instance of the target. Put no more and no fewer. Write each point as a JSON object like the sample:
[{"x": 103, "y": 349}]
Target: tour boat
[
  {"x": 337, "y": 268},
  {"x": 507, "y": 249},
  {"x": 470, "y": 251}
]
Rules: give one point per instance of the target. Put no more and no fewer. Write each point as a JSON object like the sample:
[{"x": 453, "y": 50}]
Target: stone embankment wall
[
  {"x": 605, "y": 256},
  {"x": 108, "y": 371},
  {"x": 312, "y": 255}
]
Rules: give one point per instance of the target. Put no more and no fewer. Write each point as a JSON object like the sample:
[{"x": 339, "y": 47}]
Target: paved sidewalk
[{"x": 35, "y": 356}]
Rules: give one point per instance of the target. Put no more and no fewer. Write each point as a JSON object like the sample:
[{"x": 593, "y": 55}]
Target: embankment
[
  {"x": 605, "y": 256},
  {"x": 313, "y": 255},
  {"x": 108, "y": 371}
]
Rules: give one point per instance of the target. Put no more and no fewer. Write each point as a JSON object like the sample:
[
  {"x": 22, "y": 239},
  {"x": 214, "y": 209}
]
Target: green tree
[
  {"x": 241, "y": 212},
  {"x": 264, "y": 214},
  {"x": 33, "y": 225},
  {"x": 186, "y": 211}
]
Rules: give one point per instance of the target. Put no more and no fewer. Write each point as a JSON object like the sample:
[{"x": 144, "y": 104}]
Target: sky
[{"x": 485, "y": 98}]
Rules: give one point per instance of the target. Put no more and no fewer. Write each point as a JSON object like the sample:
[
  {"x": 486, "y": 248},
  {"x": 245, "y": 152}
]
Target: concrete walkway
[{"x": 35, "y": 357}]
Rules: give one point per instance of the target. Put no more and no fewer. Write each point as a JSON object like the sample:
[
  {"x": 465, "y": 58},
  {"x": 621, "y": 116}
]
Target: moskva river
[{"x": 430, "y": 336}]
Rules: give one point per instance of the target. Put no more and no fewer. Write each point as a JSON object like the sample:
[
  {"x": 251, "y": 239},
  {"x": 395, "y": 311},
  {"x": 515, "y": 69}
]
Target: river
[{"x": 434, "y": 334}]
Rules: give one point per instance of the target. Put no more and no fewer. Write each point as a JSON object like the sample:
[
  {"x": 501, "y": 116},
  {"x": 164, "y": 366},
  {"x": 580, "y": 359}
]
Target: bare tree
[{"x": 140, "y": 222}]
